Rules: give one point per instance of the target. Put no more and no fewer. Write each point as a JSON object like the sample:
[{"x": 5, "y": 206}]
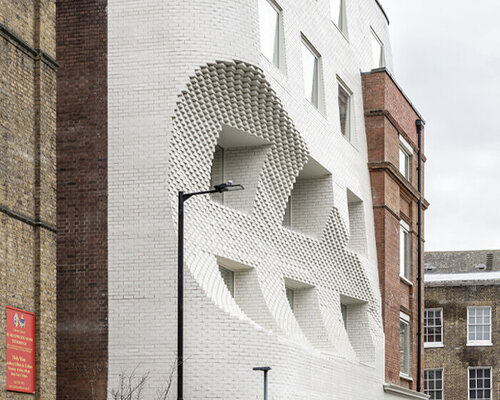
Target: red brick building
[{"x": 392, "y": 125}]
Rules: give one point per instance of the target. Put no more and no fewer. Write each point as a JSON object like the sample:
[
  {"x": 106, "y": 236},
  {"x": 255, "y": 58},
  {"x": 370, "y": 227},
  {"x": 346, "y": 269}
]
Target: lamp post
[
  {"x": 265, "y": 370},
  {"x": 223, "y": 187}
]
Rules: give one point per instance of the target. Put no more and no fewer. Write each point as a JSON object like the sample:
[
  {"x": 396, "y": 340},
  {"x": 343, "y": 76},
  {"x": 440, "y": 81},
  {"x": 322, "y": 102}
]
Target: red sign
[{"x": 20, "y": 350}]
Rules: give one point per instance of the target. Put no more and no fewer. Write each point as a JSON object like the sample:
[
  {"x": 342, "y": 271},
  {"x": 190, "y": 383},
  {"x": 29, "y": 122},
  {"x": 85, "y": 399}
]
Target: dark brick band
[{"x": 82, "y": 302}]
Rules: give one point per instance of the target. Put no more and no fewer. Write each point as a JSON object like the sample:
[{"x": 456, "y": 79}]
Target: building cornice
[
  {"x": 404, "y": 392},
  {"x": 463, "y": 279},
  {"x": 391, "y": 169}
]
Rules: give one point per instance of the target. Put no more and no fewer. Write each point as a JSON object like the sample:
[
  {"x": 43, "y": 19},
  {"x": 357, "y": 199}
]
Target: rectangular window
[
  {"x": 404, "y": 345},
  {"x": 345, "y": 110},
  {"x": 228, "y": 278},
  {"x": 377, "y": 51},
  {"x": 433, "y": 383},
  {"x": 287, "y": 219},
  {"x": 405, "y": 157},
  {"x": 270, "y": 22},
  {"x": 357, "y": 229},
  {"x": 343, "y": 309},
  {"x": 337, "y": 10},
  {"x": 480, "y": 383},
  {"x": 310, "y": 65},
  {"x": 290, "y": 295},
  {"x": 478, "y": 326},
  {"x": 433, "y": 327},
  {"x": 404, "y": 251}
]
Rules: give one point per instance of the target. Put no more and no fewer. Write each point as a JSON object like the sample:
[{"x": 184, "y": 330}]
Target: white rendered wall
[{"x": 160, "y": 141}]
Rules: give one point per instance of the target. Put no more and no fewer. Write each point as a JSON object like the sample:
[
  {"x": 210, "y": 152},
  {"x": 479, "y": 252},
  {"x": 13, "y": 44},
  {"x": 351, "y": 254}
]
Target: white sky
[{"x": 447, "y": 60}]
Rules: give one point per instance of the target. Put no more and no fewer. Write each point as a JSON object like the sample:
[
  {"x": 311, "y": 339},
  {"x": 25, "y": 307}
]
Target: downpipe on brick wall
[{"x": 420, "y": 125}]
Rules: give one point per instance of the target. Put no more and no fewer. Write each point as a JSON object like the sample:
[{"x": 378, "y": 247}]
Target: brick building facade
[
  {"x": 28, "y": 181},
  {"x": 82, "y": 301},
  {"x": 393, "y": 149},
  {"x": 165, "y": 96},
  {"x": 462, "y": 332}
]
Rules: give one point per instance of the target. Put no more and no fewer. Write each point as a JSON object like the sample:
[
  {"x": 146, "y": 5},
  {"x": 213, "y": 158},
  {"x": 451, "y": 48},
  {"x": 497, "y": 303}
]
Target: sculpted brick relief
[{"x": 237, "y": 95}]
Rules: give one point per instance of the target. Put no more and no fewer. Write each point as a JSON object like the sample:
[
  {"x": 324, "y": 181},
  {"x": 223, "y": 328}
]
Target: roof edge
[
  {"x": 384, "y": 69},
  {"x": 383, "y": 11}
]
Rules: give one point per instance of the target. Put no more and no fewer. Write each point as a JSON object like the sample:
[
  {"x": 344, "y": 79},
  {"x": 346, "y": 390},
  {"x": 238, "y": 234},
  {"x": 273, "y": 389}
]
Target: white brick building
[{"x": 202, "y": 92}]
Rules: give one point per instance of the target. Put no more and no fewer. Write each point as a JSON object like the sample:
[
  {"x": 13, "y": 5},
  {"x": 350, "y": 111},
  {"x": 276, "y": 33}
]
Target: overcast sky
[{"x": 447, "y": 59}]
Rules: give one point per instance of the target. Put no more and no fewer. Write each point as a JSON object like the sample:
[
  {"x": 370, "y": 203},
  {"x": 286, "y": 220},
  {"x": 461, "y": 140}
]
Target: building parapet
[{"x": 462, "y": 279}]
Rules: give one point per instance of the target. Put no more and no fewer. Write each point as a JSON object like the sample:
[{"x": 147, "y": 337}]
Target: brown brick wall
[
  {"x": 28, "y": 180},
  {"x": 388, "y": 114},
  {"x": 455, "y": 357},
  {"x": 82, "y": 200}
]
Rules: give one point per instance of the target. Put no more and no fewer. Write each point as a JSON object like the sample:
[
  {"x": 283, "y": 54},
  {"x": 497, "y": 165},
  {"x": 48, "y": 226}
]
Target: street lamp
[
  {"x": 223, "y": 187},
  {"x": 265, "y": 370}
]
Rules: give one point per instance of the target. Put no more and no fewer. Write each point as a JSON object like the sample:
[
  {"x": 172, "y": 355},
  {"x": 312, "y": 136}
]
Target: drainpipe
[{"x": 420, "y": 126}]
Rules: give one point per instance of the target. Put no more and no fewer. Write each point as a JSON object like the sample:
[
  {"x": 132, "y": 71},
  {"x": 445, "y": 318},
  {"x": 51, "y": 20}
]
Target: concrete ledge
[{"x": 404, "y": 392}]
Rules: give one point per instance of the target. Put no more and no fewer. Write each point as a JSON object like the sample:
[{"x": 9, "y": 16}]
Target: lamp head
[
  {"x": 227, "y": 187},
  {"x": 265, "y": 369}
]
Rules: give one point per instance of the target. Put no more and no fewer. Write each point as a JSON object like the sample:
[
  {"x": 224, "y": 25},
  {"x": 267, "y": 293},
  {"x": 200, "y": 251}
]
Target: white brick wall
[{"x": 168, "y": 99}]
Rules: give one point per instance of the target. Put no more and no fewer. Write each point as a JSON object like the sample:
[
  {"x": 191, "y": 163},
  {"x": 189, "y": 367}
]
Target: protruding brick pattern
[
  {"x": 27, "y": 180},
  {"x": 82, "y": 195},
  {"x": 389, "y": 117}
]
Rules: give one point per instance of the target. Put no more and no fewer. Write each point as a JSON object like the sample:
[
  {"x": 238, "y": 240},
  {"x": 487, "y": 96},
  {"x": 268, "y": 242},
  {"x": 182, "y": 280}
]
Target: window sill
[
  {"x": 405, "y": 280},
  {"x": 405, "y": 393},
  {"x": 319, "y": 108},
  {"x": 433, "y": 345},
  {"x": 349, "y": 140},
  {"x": 279, "y": 68},
  {"x": 479, "y": 344},
  {"x": 405, "y": 377}
]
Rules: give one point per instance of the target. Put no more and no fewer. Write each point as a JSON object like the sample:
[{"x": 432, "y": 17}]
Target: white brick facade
[{"x": 180, "y": 72}]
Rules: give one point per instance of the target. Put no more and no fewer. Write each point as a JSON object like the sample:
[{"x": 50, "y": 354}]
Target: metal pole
[
  {"x": 180, "y": 277},
  {"x": 265, "y": 385},
  {"x": 265, "y": 370},
  {"x": 180, "y": 299}
]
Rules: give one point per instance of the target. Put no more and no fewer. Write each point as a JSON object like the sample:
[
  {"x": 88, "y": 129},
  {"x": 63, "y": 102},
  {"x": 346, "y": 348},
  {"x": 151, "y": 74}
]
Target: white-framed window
[
  {"x": 270, "y": 31},
  {"x": 338, "y": 15},
  {"x": 404, "y": 345},
  {"x": 377, "y": 51},
  {"x": 404, "y": 251},
  {"x": 228, "y": 278},
  {"x": 344, "y": 98},
  {"x": 480, "y": 386},
  {"x": 405, "y": 158},
  {"x": 311, "y": 71},
  {"x": 433, "y": 327},
  {"x": 434, "y": 383},
  {"x": 478, "y": 326}
]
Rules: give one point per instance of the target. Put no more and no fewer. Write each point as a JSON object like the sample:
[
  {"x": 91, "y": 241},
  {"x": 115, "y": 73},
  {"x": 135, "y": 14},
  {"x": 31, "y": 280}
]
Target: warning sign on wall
[{"x": 20, "y": 350}]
